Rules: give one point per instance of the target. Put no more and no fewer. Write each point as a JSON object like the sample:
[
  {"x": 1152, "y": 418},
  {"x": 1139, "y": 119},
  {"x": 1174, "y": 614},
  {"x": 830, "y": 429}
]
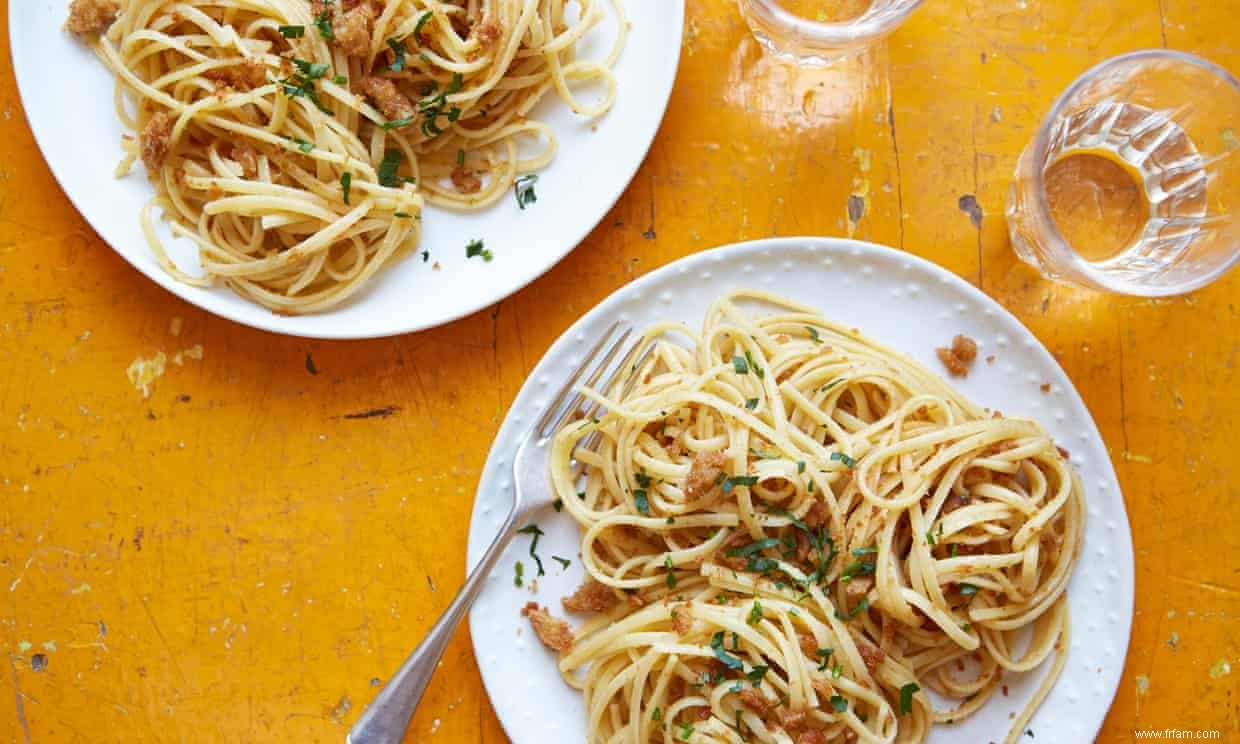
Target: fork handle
[{"x": 386, "y": 719}]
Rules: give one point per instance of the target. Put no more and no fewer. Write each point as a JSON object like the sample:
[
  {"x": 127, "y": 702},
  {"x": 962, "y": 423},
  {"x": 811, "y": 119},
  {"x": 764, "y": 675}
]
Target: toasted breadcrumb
[
  {"x": 554, "y": 633},
  {"x": 959, "y": 358},
  {"x": 591, "y": 597},
  {"x": 246, "y": 76},
  {"x": 872, "y": 655},
  {"x": 387, "y": 98},
  {"x": 753, "y": 700},
  {"x": 682, "y": 620},
  {"x": 352, "y": 30},
  {"x": 465, "y": 181},
  {"x": 156, "y": 141},
  {"x": 91, "y": 16},
  {"x": 706, "y": 468}
]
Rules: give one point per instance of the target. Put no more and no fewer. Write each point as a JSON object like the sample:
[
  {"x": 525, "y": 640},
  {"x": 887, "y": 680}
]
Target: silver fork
[{"x": 387, "y": 717}]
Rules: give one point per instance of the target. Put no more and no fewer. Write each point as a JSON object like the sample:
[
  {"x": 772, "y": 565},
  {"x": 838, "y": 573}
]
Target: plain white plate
[
  {"x": 899, "y": 300},
  {"x": 63, "y": 86}
]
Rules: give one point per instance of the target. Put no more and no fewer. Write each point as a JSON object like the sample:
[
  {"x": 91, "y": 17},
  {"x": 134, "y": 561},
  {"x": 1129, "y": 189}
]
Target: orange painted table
[{"x": 235, "y": 558}]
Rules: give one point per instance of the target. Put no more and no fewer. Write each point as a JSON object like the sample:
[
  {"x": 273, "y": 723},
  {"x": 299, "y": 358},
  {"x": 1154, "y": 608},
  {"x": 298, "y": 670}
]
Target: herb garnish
[
  {"x": 532, "y": 529},
  {"x": 862, "y": 606},
  {"x": 520, "y": 569},
  {"x": 739, "y": 480},
  {"x": 906, "y": 697},
  {"x": 524, "y": 190},
  {"x": 740, "y": 365},
  {"x": 848, "y": 461},
  {"x": 292, "y": 32},
  {"x": 751, "y": 404},
  {"x": 642, "y": 501},
  {"x": 839, "y": 703},
  {"x": 564, "y": 562},
  {"x": 728, "y": 660},
  {"x": 398, "y": 54},
  {"x": 967, "y": 590},
  {"x": 417, "y": 30},
  {"x": 346, "y": 183},
  {"x": 475, "y": 248},
  {"x": 755, "y": 614},
  {"x": 388, "y": 168},
  {"x": 323, "y": 23},
  {"x": 825, "y": 653},
  {"x": 757, "y": 674},
  {"x": 813, "y": 334},
  {"x": 301, "y": 83}
]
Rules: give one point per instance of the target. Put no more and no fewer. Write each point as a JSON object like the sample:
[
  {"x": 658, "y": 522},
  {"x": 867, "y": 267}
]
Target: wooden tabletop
[{"x": 242, "y": 557}]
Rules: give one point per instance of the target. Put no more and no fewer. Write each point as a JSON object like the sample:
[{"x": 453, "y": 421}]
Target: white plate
[
  {"x": 899, "y": 300},
  {"x": 67, "y": 95}
]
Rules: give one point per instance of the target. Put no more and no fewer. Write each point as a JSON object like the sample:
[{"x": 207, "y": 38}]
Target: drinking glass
[
  {"x": 820, "y": 32},
  {"x": 1131, "y": 183}
]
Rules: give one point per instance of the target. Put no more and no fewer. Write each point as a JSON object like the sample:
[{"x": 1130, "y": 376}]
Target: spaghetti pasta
[
  {"x": 295, "y": 142},
  {"x": 811, "y": 532}
]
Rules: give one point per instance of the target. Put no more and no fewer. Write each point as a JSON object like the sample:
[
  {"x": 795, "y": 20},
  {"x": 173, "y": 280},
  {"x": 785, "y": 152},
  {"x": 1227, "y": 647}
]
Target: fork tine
[
  {"x": 603, "y": 365},
  {"x": 552, "y": 414},
  {"x": 633, "y": 366}
]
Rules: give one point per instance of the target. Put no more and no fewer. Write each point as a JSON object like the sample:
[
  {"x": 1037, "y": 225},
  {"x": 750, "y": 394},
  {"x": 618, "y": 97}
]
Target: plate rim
[
  {"x": 502, "y": 449},
  {"x": 269, "y": 321}
]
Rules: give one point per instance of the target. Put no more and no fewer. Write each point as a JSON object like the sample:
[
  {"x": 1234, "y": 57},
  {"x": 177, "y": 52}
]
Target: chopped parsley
[
  {"x": 865, "y": 551},
  {"x": 813, "y": 334},
  {"x": 303, "y": 145},
  {"x": 400, "y": 123},
  {"x": 686, "y": 730},
  {"x": 292, "y": 32},
  {"x": 825, "y": 653},
  {"x": 739, "y": 480},
  {"x": 323, "y": 23},
  {"x": 839, "y": 703},
  {"x": 564, "y": 562},
  {"x": 532, "y": 529},
  {"x": 518, "y": 580},
  {"x": 460, "y": 158},
  {"x": 800, "y": 466},
  {"x": 301, "y": 84},
  {"x": 756, "y": 369},
  {"x": 857, "y": 568},
  {"x": 755, "y": 614},
  {"x": 643, "y": 479},
  {"x": 751, "y": 404},
  {"x": 968, "y": 590},
  {"x": 757, "y": 674},
  {"x": 862, "y": 606},
  {"x": 389, "y": 167},
  {"x": 407, "y": 216},
  {"x": 728, "y": 660},
  {"x": 848, "y": 461},
  {"x": 642, "y": 501},
  {"x": 657, "y": 715},
  {"x": 671, "y": 572},
  {"x": 558, "y": 505},
  {"x": 740, "y": 365},
  {"x": 906, "y": 697},
  {"x": 437, "y": 105},
  {"x": 417, "y": 30},
  {"x": 398, "y": 54},
  {"x": 830, "y": 384},
  {"x": 346, "y": 184},
  {"x": 754, "y": 547},
  {"x": 524, "y": 190},
  {"x": 476, "y": 249}
]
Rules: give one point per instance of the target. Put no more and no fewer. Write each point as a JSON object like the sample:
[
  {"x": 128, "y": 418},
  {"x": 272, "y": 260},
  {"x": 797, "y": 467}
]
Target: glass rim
[
  {"x": 1041, "y": 146},
  {"x": 840, "y": 33}
]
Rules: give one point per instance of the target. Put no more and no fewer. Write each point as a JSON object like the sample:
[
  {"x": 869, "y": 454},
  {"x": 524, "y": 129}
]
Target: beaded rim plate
[
  {"x": 899, "y": 300},
  {"x": 595, "y": 162}
]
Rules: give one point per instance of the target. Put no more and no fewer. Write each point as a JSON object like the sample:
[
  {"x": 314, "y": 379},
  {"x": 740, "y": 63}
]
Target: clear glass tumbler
[
  {"x": 820, "y": 32},
  {"x": 1132, "y": 181}
]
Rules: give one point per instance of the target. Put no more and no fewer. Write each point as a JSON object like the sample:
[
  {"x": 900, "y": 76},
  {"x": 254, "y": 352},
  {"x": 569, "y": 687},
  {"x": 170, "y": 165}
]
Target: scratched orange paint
[{"x": 230, "y": 559}]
